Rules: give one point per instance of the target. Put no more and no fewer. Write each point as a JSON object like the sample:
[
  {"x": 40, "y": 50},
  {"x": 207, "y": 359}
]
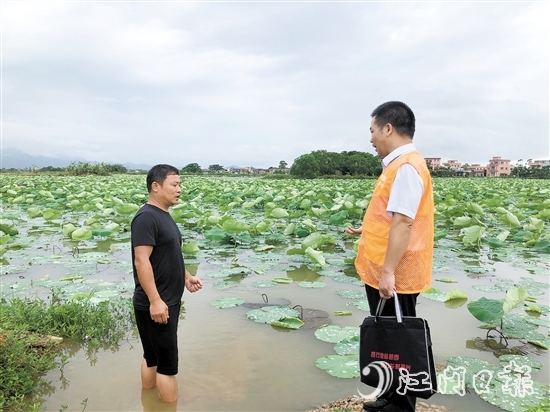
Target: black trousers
[{"x": 405, "y": 403}]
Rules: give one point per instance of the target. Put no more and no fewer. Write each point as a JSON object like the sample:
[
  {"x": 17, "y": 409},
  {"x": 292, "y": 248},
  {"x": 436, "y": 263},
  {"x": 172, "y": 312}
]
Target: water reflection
[
  {"x": 151, "y": 402},
  {"x": 303, "y": 274}
]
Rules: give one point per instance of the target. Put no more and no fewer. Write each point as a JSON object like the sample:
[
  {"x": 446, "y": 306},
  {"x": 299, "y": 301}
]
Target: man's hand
[
  {"x": 386, "y": 285},
  {"x": 159, "y": 311},
  {"x": 354, "y": 231},
  {"x": 192, "y": 283}
]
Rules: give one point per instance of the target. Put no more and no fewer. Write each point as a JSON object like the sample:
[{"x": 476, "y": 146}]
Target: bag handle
[{"x": 398, "y": 312}]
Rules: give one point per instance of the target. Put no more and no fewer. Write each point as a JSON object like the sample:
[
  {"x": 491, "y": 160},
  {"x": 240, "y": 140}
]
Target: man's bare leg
[
  {"x": 167, "y": 387},
  {"x": 148, "y": 376}
]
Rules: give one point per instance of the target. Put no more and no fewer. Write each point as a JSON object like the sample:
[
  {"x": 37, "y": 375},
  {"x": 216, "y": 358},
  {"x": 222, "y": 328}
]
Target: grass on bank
[{"x": 30, "y": 332}]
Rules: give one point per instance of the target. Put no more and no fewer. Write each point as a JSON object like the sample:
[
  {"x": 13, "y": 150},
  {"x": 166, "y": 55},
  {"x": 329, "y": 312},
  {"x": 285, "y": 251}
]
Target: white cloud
[{"x": 256, "y": 83}]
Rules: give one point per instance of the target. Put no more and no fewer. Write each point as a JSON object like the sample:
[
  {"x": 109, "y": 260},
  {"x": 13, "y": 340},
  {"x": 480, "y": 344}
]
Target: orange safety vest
[{"x": 413, "y": 274}]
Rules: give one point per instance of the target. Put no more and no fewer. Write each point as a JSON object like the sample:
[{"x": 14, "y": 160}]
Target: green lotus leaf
[
  {"x": 4, "y": 239},
  {"x": 472, "y": 236},
  {"x": 102, "y": 232},
  {"x": 434, "y": 294},
  {"x": 463, "y": 221},
  {"x": 514, "y": 297},
  {"x": 279, "y": 213},
  {"x": 229, "y": 302},
  {"x": 362, "y": 304},
  {"x": 50, "y": 214},
  {"x": 338, "y": 218},
  {"x": 262, "y": 226},
  {"x": 313, "y": 285},
  {"x": 34, "y": 212},
  {"x": 190, "y": 248},
  {"x": 348, "y": 346},
  {"x": 268, "y": 314},
  {"x": 316, "y": 256},
  {"x": 289, "y": 230},
  {"x": 232, "y": 225},
  {"x": 335, "y": 334},
  {"x": 520, "y": 361},
  {"x": 288, "y": 323},
  {"x": 510, "y": 219},
  {"x": 440, "y": 234},
  {"x": 351, "y": 294},
  {"x": 446, "y": 280},
  {"x": 302, "y": 232},
  {"x": 314, "y": 240},
  {"x": 282, "y": 280},
  {"x": 342, "y": 313},
  {"x": 263, "y": 284},
  {"x": 340, "y": 366},
  {"x": 494, "y": 242},
  {"x": 81, "y": 233},
  {"x": 225, "y": 284},
  {"x": 127, "y": 208},
  {"x": 486, "y": 310},
  {"x": 217, "y": 234}
]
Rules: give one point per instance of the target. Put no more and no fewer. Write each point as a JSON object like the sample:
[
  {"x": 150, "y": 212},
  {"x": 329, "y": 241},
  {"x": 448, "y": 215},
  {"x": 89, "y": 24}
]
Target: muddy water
[{"x": 229, "y": 363}]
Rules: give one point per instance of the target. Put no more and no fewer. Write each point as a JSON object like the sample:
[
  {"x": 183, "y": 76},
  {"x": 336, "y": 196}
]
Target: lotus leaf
[
  {"x": 342, "y": 313},
  {"x": 348, "y": 346},
  {"x": 340, "y": 366},
  {"x": 224, "y": 303},
  {"x": 81, "y": 234},
  {"x": 446, "y": 280},
  {"x": 314, "y": 285},
  {"x": 279, "y": 213},
  {"x": 225, "y": 284},
  {"x": 282, "y": 280},
  {"x": 335, "y": 334},
  {"x": 263, "y": 284},
  {"x": 351, "y": 294},
  {"x": 288, "y": 323},
  {"x": 486, "y": 310},
  {"x": 190, "y": 248},
  {"x": 316, "y": 256},
  {"x": 362, "y": 304},
  {"x": 268, "y": 314}
]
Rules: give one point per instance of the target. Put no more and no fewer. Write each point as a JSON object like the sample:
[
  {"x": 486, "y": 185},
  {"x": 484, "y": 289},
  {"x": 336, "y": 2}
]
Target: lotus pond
[{"x": 275, "y": 326}]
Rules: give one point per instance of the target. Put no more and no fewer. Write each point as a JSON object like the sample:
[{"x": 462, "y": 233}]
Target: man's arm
[
  {"x": 400, "y": 234},
  {"x": 192, "y": 283},
  {"x": 158, "y": 309}
]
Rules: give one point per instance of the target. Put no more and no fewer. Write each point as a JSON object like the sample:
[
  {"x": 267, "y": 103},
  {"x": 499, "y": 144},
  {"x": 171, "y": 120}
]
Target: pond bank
[{"x": 355, "y": 404}]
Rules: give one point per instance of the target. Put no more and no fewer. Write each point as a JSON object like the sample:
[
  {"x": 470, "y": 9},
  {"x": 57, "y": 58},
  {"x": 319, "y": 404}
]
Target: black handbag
[{"x": 395, "y": 354}]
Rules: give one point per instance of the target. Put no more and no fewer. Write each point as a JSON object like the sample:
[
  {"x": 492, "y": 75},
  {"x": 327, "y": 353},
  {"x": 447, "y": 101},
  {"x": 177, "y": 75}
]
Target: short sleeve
[
  {"x": 406, "y": 192},
  {"x": 143, "y": 230}
]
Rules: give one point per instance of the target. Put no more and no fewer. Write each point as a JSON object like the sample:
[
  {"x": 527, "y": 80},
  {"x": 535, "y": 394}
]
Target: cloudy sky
[{"x": 253, "y": 83}]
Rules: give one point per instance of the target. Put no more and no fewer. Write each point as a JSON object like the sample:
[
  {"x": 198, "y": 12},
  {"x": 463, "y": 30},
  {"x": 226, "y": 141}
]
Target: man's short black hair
[
  {"x": 398, "y": 114},
  {"x": 158, "y": 173}
]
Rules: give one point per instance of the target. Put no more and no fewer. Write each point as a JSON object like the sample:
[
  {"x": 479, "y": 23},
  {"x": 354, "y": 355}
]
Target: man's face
[
  {"x": 378, "y": 138},
  {"x": 169, "y": 192}
]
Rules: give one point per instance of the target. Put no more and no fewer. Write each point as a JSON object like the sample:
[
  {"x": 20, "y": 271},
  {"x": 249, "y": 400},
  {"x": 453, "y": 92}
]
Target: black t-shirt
[{"x": 152, "y": 226}]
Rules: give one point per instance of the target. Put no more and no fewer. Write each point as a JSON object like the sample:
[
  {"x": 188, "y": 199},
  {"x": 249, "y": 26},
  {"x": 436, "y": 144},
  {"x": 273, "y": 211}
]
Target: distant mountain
[{"x": 11, "y": 158}]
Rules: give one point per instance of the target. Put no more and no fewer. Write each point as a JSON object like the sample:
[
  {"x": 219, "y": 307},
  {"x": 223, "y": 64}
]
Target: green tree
[
  {"x": 215, "y": 168},
  {"x": 306, "y": 167},
  {"x": 192, "y": 168},
  {"x": 330, "y": 163},
  {"x": 283, "y": 164}
]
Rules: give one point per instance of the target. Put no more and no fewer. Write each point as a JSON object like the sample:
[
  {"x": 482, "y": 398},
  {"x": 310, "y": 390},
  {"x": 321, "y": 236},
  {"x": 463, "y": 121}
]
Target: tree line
[{"x": 320, "y": 163}]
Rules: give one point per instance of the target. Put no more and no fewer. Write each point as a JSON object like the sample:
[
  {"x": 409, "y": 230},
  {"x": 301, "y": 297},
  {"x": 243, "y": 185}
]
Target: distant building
[
  {"x": 499, "y": 167},
  {"x": 434, "y": 162},
  {"x": 452, "y": 164},
  {"x": 475, "y": 170},
  {"x": 537, "y": 164}
]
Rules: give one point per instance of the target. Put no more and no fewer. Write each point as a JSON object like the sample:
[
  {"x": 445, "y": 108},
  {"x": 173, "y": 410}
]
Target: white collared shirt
[{"x": 408, "y": 188}]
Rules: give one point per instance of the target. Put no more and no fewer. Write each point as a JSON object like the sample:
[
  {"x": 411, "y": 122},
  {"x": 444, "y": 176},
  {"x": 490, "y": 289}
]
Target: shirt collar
[{"x": 401, "y": 150}]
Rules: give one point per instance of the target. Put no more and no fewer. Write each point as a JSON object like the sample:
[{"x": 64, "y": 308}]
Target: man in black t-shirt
[{"x": 160, "y": 278}]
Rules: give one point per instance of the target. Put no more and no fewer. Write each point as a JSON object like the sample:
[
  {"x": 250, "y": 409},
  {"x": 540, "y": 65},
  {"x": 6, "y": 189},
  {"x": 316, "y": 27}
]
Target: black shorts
[{"x": 160, "y": 340}]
